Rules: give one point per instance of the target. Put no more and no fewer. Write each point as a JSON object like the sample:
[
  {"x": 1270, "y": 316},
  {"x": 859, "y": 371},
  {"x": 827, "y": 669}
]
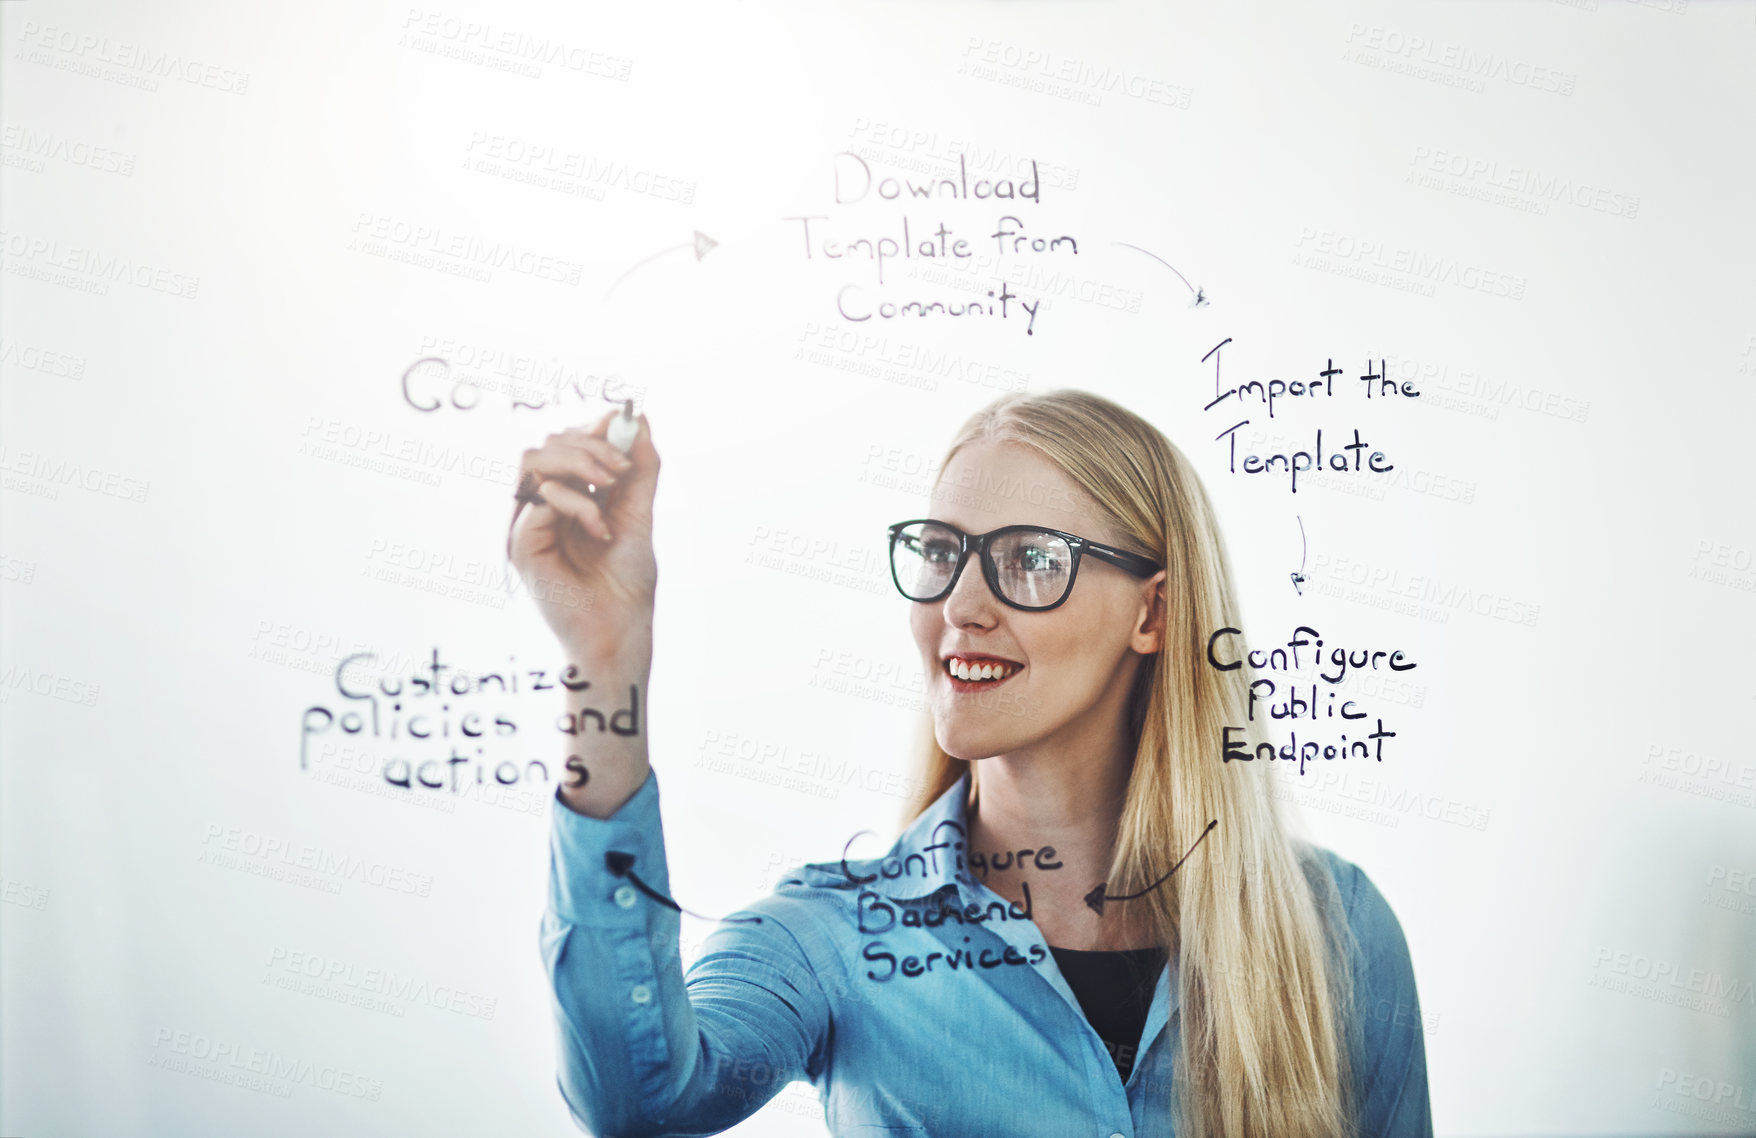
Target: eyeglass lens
[{"x": 1033, "y": 567}]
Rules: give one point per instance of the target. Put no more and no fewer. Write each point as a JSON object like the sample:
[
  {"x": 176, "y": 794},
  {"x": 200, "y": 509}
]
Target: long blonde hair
[{"x": 1265, "y": 993}]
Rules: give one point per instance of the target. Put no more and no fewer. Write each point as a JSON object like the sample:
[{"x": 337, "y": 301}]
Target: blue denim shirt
[{"x": 963, "y": 1028}]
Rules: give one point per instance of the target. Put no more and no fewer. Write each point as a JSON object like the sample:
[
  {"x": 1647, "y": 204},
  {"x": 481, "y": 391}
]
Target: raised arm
[{"x": 643, "y": 1050}]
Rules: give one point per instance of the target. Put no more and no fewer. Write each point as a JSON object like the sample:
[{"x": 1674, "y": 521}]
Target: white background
[{"x": 1537, "y": 212}]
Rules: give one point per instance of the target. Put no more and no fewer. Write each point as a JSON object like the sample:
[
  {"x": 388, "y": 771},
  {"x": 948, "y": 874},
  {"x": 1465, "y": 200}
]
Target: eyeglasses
[{"x": 1027, "y": 567}]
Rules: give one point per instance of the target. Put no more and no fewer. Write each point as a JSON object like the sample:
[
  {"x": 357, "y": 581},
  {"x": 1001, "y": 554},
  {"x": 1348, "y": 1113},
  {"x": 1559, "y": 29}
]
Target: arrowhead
[
  {"x": 702, "y": 244},
  {"x": 1096, "y": 898},
  {"x": 1299, "y": 580},
  {"x": 618, "y": 862}
]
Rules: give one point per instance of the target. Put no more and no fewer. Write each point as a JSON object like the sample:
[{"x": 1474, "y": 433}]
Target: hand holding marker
[
  {"x": 585, "y": 551},
  {"x": 624, "y": 429},
  {"x": 590, "y": 533}
]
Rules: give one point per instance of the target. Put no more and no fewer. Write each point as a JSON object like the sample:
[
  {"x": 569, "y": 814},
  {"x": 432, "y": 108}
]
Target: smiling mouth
[{"x": 973, "y": 675}]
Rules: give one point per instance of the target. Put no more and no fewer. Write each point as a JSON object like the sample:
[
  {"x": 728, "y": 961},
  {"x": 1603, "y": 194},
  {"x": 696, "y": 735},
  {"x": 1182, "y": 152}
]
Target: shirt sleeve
[
  {"x": 1391, "y": 1075},
  {"x": 644, "y": 1050}
]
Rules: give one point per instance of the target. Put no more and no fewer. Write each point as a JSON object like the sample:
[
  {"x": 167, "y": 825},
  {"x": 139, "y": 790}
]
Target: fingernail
[{"x": 624, "y": 463}]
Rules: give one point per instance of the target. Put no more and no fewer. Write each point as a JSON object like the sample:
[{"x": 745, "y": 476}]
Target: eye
[
  {"x": 1033, "y": 557},
  {"x": 939, "y": 551}
]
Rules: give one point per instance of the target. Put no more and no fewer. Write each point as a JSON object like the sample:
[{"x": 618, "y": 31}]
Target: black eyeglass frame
[{"x": 1134, "y": 563}]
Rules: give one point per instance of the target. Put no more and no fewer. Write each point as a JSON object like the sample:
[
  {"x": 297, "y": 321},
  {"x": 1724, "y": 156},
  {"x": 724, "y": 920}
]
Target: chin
[{"x": 971, "y": 746}]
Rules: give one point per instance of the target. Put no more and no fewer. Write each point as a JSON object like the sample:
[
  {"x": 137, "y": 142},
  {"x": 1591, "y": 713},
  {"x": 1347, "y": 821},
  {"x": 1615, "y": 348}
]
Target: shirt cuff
[{"x": 582, "y": 888}]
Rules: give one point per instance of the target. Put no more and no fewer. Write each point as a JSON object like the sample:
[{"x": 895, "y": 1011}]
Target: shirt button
[
  {"x": 1118, "y": 1134},
  {"x": 641, "y": 994},
  {"x": 625, "y": 897}
]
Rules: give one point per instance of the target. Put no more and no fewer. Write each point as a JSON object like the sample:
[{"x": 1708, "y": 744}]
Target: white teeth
[{"x": 976, "y": 673}]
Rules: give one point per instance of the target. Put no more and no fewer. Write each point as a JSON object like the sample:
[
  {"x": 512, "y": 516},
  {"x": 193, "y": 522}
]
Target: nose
[{"x": 971, "y": 601}]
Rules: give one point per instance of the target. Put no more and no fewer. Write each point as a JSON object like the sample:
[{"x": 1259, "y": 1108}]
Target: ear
[{"x": 1149, "y": 630}]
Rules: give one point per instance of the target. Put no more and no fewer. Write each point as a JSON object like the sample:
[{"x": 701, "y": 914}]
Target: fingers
[
  {"x": 598, "y": 447},
  {"x": 571, "y": 503},
  {"x": 564, "y": 458},
  {"x": 575, "y": 458},
  {"x": 646, "y": 459}
]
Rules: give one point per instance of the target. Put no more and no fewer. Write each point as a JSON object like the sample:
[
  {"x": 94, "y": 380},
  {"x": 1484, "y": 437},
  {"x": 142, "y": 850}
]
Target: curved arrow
[
  {"x": 1097, "y": 896},
  {"x": 701, "y": 244},
  {"x": 1200, "y": 294}
]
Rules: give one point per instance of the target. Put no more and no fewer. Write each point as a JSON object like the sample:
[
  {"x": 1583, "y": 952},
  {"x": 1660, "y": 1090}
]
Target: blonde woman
[{"x": 1090, "y": 926}]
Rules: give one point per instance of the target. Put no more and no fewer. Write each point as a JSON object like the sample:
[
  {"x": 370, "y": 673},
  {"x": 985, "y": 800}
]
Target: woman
[{"x": 1220, "y": 977}]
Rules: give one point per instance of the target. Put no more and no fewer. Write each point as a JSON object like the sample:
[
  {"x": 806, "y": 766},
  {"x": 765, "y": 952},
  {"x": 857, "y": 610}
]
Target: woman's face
[{"x": 1078, "y": 659}]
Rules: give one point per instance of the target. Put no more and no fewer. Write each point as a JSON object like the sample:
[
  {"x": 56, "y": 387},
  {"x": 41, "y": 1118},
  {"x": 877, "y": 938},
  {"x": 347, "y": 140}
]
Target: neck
[{"x": 1065, "y": 812}]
